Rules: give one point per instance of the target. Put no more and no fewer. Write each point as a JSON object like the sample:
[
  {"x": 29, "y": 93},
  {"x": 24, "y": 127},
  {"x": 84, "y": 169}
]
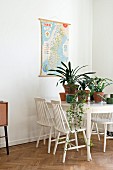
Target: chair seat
[
  {"x": 50, "y": 123},
  {"x": 102, "y": 121},
  {"x": 78, "y": 129},
  {"x": 73, "y": 130}
]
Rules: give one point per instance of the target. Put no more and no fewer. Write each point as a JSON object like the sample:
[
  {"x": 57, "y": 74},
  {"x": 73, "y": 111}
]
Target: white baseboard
[{"x": 21, "y": 141}]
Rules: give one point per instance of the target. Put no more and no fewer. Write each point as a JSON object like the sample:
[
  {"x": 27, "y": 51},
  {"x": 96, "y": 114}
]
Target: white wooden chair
[
  {"x": 44, "y": 119},
  {"x": 104, "y": 119},
  {"x": 62, "y": 126}
]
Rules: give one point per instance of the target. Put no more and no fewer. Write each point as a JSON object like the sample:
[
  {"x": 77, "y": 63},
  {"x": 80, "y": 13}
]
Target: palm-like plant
[{"x": 67, "y": 74}]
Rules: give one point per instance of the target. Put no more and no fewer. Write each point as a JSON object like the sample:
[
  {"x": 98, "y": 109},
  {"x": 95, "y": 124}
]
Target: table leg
[
  {"x": 6, "y": 139},
  {"x": 88, "y": 133}
]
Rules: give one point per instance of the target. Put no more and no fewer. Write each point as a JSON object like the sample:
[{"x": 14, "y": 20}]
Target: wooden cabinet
[
  {"x": 4, "y": 121},
  {"x": 3, "y": 113}
]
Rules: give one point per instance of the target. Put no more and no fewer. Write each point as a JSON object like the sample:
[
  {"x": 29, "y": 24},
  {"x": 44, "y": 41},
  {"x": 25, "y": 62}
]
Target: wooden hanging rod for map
[{"x": 53, "y": 21}]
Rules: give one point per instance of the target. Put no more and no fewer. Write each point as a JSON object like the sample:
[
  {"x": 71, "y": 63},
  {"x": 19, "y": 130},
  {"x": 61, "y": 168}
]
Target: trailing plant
[{"x": 76, "y": 111}]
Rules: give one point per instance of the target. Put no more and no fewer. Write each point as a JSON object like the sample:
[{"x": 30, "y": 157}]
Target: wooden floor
[{"x": 28, "y": 157}]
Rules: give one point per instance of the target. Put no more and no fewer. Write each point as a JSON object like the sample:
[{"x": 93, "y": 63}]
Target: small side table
[{"x": 4, "y": 122}]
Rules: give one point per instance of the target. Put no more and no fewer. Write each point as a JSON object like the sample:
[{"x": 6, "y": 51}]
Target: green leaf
[
  {"x": 64, "y": 64},
  {"x": 80, "y": 68}
]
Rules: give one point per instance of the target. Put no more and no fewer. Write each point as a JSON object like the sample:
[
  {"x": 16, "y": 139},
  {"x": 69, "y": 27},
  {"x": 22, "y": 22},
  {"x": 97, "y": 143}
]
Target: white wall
[
  {"x": 103, "y": 39},
  {"x": 20, "y": 56}
]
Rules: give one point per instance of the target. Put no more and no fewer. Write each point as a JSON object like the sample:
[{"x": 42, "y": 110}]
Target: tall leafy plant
[
  {"x": 67, "y": 74},
  {"x": 98, "y": 84}
]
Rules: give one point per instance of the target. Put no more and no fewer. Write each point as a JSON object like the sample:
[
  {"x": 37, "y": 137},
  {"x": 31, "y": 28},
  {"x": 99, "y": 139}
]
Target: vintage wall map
[{"x": 54, "y": 44}]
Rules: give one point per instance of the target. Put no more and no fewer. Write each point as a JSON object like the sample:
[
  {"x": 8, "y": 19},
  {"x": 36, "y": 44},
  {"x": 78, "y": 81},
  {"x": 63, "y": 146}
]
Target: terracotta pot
[
  {"x": 87, "y": 94},
  {"x": 70, "y": 89},
  {"x": 97, "y": 98},
  {"x": 62, "y": 96}
]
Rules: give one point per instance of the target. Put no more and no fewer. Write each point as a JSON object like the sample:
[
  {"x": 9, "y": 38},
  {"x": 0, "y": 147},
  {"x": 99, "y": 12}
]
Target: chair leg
[
  {"x": 55, "y": 134},
  {"x": 85, "y": 138},
  {"x": 49, "y": 144},
  {"x": 105, "y": 134},
  {"x": 39, "y": 137},
  {"x": 97, "y": 131},
  {"x": 56, "y": 143},
  {"x": 65, "y": 147},
  {"x": 44, "y": 135},
  {"x": 92, "y": 127},
  {"x": 76, "y": 140}
]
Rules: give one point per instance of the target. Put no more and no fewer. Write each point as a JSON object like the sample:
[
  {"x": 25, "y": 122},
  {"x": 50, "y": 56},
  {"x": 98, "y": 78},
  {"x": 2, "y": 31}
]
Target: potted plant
[
  {"x": 83, "y": 84},
  {"x": 69, "y": 77},
  {"x": 76, "y": 111},
  {"x": 97, "y": 85}
]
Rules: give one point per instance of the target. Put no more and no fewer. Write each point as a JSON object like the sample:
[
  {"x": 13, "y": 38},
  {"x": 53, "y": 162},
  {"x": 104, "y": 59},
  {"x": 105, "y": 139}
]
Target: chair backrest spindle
[
  {"x": 61, "y": 123},
  {"x": 43, "y": 112}
]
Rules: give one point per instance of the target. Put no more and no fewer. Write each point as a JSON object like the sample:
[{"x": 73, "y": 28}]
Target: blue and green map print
[{"x": 54, "y": 44}]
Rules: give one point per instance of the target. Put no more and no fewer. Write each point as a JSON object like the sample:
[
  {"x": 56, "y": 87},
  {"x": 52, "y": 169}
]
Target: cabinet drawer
[{"x": 3, "y": 113}]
